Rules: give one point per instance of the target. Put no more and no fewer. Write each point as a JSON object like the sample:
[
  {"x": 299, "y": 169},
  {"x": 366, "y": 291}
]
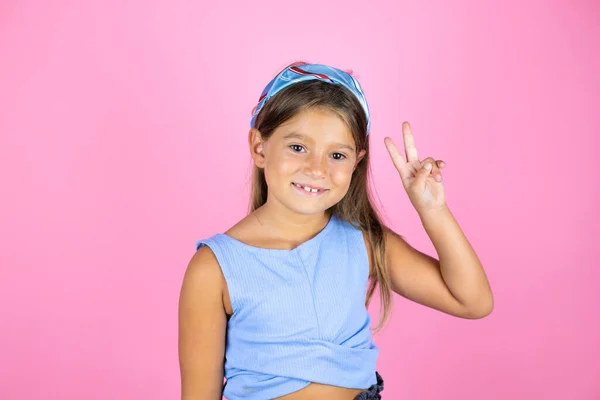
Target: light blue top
[{"x": 299, "y": 315}]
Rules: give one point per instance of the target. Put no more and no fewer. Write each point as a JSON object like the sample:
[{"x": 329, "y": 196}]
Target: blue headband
[{"x": 306, "y": 72}]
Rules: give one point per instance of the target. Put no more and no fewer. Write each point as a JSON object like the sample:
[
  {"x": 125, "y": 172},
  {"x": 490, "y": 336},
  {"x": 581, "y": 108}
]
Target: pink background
[{"x": 123, "y": 141}]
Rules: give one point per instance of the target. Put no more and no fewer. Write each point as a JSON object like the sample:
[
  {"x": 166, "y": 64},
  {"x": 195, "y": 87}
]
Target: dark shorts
[{"x": 373, "y": 392}]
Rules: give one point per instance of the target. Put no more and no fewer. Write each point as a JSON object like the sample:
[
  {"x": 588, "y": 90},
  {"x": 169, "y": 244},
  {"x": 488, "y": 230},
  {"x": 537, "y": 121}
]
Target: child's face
[{"x": 314, "y": 150}]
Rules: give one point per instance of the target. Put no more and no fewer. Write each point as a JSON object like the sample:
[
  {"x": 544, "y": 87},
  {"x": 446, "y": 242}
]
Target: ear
[
  {"x": 257, "y": 147},
  {"x": 359, "y": 157}
]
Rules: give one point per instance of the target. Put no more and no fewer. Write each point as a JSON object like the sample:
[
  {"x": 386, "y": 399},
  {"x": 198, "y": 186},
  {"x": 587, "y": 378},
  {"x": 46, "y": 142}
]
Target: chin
[
  {"x": 304, "y": 209},
  {"x": 309, "y": 207}
]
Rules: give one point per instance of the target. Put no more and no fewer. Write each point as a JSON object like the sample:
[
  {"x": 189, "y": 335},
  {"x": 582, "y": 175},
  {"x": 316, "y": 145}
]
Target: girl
[{"x": 277, "y": 303}]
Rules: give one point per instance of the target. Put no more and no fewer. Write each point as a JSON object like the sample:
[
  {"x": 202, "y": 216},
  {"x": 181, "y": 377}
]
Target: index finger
[{"x": 409, "y": 143}]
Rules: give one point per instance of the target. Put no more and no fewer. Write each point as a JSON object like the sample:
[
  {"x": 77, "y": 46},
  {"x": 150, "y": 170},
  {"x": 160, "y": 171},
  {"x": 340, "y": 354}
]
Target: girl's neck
[{"x": 288, "y": 223}]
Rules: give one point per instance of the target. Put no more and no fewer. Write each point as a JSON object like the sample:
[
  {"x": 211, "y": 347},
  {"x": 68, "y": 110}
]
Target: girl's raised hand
[{"x": 423, "y": 186}]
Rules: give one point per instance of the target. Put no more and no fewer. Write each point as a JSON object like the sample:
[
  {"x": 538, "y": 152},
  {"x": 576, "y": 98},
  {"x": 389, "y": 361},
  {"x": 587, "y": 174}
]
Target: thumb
[{"x": 423, "y": 173}]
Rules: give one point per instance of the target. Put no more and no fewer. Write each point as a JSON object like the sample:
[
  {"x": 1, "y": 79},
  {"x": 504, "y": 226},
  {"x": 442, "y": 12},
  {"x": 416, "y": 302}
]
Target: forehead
[{"x": 318, "y": 125}]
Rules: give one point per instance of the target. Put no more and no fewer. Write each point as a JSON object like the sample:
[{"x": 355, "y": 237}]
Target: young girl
[{"x": 277, "y": 303}]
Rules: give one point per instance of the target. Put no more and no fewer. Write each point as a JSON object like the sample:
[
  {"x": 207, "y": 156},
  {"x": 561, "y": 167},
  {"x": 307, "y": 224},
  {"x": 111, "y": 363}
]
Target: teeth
[{"x": 306, "y": 188}]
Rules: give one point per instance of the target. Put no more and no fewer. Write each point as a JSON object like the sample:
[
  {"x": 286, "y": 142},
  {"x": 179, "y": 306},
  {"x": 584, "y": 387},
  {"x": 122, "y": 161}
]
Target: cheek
[
  {"x": 341, "y": 174},
  {"x": 281, "y": 165}
]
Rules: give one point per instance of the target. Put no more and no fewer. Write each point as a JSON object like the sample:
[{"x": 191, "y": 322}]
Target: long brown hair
[{"x": 357, "y": 205}]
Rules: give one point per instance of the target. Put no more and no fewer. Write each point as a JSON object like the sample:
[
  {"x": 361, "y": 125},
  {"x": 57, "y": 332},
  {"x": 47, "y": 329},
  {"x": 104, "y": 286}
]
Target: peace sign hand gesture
[{"x": 422, "y": 180}]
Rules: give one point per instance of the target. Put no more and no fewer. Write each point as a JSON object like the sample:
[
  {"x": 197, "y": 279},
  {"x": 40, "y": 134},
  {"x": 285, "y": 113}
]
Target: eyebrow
[{"x": 294, "y": 135}]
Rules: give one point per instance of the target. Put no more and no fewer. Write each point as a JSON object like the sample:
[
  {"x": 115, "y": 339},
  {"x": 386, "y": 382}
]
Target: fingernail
[{"x": 427, "y": 166}]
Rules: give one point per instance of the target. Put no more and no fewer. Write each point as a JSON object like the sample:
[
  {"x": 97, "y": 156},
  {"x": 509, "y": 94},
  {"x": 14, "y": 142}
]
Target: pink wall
[{"x": 123, "y": 140}]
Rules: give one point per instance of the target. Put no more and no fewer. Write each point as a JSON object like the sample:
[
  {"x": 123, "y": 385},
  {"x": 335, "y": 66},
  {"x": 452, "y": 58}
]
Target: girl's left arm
[{"x": 456, "y": 283}]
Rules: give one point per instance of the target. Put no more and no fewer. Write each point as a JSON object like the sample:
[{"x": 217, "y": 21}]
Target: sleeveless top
[{"x": 299, "y": 315}]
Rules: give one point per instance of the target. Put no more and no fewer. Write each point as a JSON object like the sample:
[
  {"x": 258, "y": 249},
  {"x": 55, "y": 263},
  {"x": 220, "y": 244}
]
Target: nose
[{"x": 316, "y": 166}]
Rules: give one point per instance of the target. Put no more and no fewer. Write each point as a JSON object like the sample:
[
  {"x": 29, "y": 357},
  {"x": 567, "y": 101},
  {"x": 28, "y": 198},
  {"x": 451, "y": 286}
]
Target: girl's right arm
[{"x": 202, "y": 328}]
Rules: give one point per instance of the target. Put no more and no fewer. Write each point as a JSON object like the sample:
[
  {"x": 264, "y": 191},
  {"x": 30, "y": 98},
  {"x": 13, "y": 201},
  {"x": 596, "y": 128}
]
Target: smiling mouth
[{"x": 309, "y": 189}]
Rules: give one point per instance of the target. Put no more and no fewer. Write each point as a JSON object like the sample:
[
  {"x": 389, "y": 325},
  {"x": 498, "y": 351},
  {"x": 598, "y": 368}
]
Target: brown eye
[
  {"x": 297, "y": 148},
  {"x": 338, "y": 156}
]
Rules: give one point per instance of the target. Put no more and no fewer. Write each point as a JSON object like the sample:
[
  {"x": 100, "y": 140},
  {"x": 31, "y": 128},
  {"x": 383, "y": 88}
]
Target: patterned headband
[{"x": 304, "y": 72}]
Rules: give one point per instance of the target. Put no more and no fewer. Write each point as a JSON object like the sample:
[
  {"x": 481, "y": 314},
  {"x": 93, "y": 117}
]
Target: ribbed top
[{"x": 299, "y": 315}]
